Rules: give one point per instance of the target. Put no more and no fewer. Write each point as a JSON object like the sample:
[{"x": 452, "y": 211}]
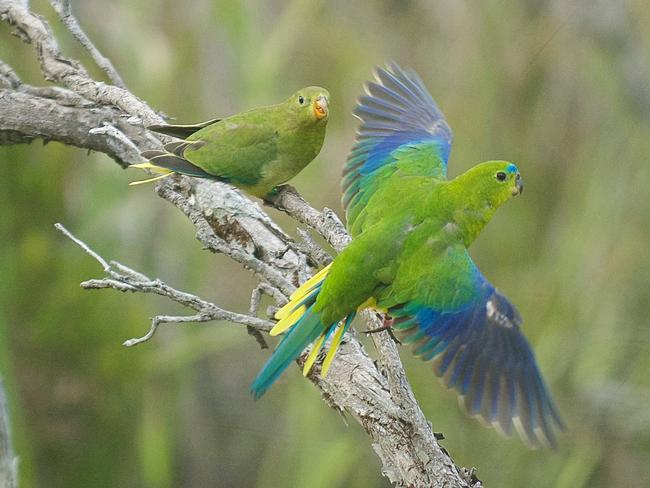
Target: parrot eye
[
  {"x": 301, "y": 100},
  {"x": 501, "y": 176}
]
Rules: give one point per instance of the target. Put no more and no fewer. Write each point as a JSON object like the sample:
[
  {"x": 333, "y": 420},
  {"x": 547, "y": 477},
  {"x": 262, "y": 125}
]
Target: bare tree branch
[
  {"x": 64, "y": 10},
  {"x": 8, "y": 77},
  {"x": 26, "y": 117},
  {"x": 309, "y": 246},
  {"x": 253, "y": 310},
  {"x": 123, "y": 278},
  {"x": 326, "y": 223},
  {"x": 110, "y": 119},
  {"x": 57, "y": 68}
]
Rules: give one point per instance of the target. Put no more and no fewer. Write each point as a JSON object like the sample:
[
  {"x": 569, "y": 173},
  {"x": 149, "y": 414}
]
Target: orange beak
[{"x": 320, "y": 107}]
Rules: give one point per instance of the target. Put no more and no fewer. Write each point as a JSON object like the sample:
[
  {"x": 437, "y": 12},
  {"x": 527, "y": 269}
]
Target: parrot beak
[
  {"x": 320, "y": 107},
  {"x": 518, "y": 189}
]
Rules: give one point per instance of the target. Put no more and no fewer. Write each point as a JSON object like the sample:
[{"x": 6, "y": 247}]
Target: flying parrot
[
  {"x": 411, "y": 228},
  {"x": 255, "y": 150}
]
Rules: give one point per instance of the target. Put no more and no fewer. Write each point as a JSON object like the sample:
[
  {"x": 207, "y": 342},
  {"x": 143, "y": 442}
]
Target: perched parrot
[
  {"x": 411, "y": 228},
  {"x": 255, "y": 150}
]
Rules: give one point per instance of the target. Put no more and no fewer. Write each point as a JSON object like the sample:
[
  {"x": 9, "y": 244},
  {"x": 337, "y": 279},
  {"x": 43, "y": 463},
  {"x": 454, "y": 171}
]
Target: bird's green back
[
  {"x": 238, "y": 147},
  {"x": 415, "y": 226},
  {"x": 255, "y": 150},
  {"x": 263, "y": 147}
]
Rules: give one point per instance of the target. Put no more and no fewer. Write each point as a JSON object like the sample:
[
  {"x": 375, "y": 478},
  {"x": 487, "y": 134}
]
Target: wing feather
[
  {"x": 402, "y": 129},
  {"x": 181, "y": 131},
  {"x": 478, "y": 349}
]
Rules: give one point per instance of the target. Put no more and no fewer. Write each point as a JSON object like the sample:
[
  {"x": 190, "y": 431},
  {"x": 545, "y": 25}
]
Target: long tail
[
  {"x": 304, "y": 326},
  {"x": 172, "y": 160}
]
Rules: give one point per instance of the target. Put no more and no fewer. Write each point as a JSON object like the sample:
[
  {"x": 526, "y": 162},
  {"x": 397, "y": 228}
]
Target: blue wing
[
  {"x": 478, "y": 349},
  {"x": 402, "y": 129}
]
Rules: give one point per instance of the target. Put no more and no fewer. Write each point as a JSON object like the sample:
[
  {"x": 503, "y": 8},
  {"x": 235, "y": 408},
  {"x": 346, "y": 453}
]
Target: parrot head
[
  {"x": 310, "y": 105},
  {"x": 497, "y": 181}
]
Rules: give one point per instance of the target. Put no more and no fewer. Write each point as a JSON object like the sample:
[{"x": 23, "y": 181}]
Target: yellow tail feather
[
  {"x": 301, "y": 293},
  {"x": 315, "y": 349},
  {"x": 288, "y": 321},
  {"x": 164, "y": 172},
  {"x": 149, "y": 180},
  {"x": 336, "y": 342},
  {"x": 148, "y": 165},
  {"x": 291, "y": 313}
]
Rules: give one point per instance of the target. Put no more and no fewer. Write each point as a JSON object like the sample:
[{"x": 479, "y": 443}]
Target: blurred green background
[{"x": 560, "y": 87}]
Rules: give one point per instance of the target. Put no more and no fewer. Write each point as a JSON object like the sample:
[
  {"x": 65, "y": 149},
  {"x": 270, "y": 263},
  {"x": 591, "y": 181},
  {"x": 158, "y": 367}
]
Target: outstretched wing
[
  {"x": 474, "y": 339},
  {"x": 401, "y": 129}
]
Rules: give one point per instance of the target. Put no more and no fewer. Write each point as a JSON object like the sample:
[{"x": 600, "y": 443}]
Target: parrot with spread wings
[
  {"x": 255, "y": 150},
  {"x": 411, "y": 229}
]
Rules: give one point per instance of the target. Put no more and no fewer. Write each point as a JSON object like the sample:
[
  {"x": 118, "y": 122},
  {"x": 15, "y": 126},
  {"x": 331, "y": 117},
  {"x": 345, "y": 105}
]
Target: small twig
[
  {"x": 98, "y": 284},
  {"x": 64, "y": 11},
  {"x": 8, "y": 76},
  {"x": 256, "y": 296},
  {"x": 106, "y": 267},
  {"x": 125, "y": 279},
  {"x": 310, "y": 247},
  {"x": 166, "y": 319},
  {"x": 273, "y": 292},
  {"x": 128, "y": 271}
]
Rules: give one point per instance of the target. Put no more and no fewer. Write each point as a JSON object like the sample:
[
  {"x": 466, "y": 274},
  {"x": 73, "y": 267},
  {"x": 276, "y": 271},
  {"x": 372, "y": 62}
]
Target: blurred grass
[{"x": 562, "y": 88}]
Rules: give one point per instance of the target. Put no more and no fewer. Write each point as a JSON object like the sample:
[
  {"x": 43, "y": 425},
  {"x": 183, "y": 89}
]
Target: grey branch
[
  {"x": 68, "y": 72},
  {"x": 26, "y": 117},
  {"x": 8, "y": 462},
  {"x": 326, "y": 223},
  {"x": 262, "y": 289},
  {"x": 64, "y": 10},
  {"x": 109, "y": 119},
  {"x": 125, "y": 279}
]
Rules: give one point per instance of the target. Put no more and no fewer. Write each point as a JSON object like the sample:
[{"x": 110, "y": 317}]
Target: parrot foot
[
  {"x": 270, "y": 197},
  {"x": 378, "y": 329},
  {"x": 388, "y": 327}
]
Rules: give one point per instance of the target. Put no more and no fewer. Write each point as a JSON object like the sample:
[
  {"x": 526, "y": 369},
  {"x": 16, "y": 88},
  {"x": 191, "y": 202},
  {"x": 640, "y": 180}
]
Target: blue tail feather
[{"x": 306, "y": 331}]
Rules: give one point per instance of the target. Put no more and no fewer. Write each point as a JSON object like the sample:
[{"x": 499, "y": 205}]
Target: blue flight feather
[
  {"x": 398, "y": 116},
  {"x": 479, "y": 350}
]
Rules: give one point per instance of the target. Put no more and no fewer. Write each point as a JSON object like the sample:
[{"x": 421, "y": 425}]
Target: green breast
[{"x": 296, "y": 149}]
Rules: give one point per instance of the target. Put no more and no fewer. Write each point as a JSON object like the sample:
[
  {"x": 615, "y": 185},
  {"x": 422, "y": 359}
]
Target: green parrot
[
  {"x": 411, "y": 228},
  {"x": 255, "y": 150}
]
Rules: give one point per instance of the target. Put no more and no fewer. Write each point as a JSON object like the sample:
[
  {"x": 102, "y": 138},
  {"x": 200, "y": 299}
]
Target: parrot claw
[
  {"x": 378, "y": 329},
  {"x": 270, "y": 197},
  {"x": 388, "y": 327}
]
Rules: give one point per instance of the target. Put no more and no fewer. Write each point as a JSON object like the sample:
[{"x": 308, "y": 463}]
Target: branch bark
[
  {"x": 110, "y": 119},
  {"x": 8, "y": 462}
]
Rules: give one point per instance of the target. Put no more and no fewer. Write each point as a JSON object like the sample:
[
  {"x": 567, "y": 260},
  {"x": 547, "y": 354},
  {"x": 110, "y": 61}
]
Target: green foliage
[{"x": 559, "y": 90}]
